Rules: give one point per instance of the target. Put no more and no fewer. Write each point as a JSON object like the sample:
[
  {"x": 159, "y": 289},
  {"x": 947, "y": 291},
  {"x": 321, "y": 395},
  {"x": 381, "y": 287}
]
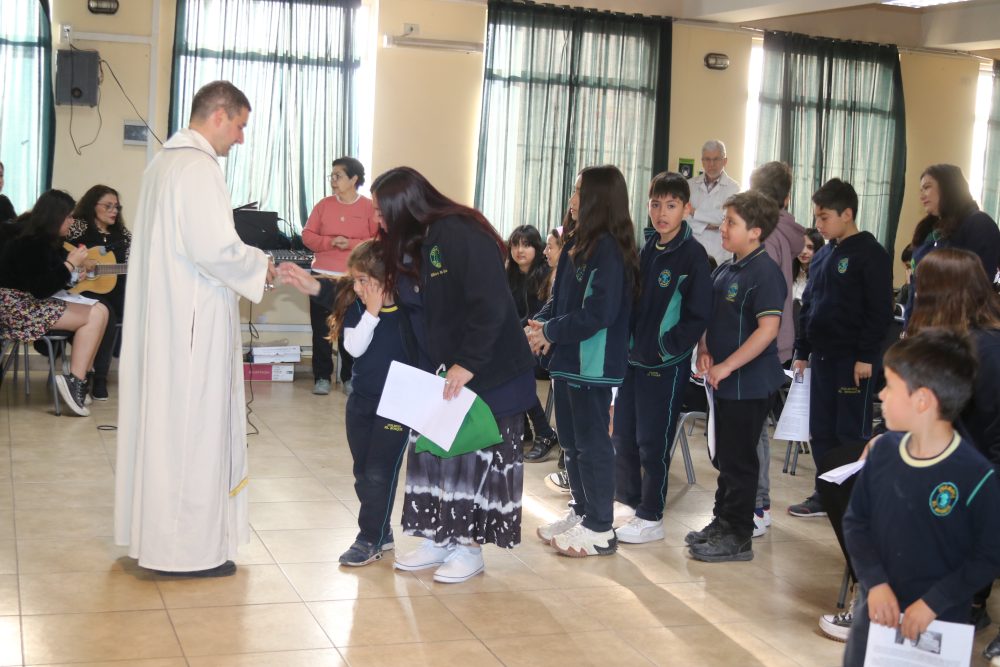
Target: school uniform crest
[
  {"x": 842, "y": 265},
  {"x": 943, "y": 499},
  {"x": 733, "y": 290},
  {"x": 436, "y": 257},
  {"x": 579, "y": 273},
  {"x": 665, "y": 277}
]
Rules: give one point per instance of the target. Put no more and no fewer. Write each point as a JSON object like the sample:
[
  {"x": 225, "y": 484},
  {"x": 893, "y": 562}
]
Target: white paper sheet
[
  {"x": 793, "y": 425},
  {"x": 942, "y": 645},
  {"x": 711, "y": 421},
  {"x": 844, "y": 472},
  {"x": 63, "y": 295},
  {"x": 414, "y": 397}
]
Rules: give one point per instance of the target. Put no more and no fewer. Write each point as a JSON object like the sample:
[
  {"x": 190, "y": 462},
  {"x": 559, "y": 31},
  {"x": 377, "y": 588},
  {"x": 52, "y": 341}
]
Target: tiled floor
[{"x": 68, "y": 595}]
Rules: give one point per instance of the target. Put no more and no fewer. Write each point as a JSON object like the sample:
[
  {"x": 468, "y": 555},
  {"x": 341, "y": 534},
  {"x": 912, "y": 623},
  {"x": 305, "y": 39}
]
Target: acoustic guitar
[{"x": 104, "y": 276}]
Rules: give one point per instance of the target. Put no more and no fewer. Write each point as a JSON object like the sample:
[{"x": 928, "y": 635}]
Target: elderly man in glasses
[{"x": 709, "y": 191}]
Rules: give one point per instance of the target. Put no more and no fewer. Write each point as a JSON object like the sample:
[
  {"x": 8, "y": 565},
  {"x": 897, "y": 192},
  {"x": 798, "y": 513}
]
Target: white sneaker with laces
[
  {"x": 837, "y": 626},
  {"x": 428, "y": 555},
  {"x": 759, "y": 525},
  {"x": 580, "y": 541},
  {"x": 548, "y": 531},
  {"x": 640, "y": 531},
  {"x": 462, "y": 564}
]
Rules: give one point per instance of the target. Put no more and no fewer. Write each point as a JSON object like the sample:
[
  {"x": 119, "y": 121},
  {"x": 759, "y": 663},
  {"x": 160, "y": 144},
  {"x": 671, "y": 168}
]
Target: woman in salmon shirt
[{"x": 336, "y": 225}]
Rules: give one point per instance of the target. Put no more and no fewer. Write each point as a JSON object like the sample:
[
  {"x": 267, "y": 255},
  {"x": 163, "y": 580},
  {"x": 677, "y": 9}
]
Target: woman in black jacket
[
  {"x": 446, "y": 263},
  {"x": 33, "y": 267}
]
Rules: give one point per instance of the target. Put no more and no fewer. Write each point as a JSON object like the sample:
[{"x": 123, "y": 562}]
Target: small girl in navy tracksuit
[
  {"x": 585, "y": 322},
  {"x": 675, "y": 303},
  {"x": 371, "y": 325}
]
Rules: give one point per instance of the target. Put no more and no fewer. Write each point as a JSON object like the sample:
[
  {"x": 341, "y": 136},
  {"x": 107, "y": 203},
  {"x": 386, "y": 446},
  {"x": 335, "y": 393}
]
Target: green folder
[{"x": 478, "y": 431}]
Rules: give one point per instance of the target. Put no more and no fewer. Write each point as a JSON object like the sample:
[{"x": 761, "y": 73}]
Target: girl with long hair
[
  {"x": 33, "y": 267},
  {"x": 585, "y": 323},
  {"x": 800, "y": 265},
  {"x": 99, "y": 223},
  {"x": 446, "y": 263}
]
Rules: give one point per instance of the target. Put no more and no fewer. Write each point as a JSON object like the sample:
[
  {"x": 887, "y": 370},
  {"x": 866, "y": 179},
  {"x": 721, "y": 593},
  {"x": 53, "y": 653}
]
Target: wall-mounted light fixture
[
  {"x": 102, "y": 6},
  {"x": 716, "y": 61}
]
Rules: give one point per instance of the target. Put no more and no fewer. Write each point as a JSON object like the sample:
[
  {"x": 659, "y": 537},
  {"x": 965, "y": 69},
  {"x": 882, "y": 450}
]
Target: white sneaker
[
  {"x": 838, "y": 626},
  {"x": 759, "y": 525},
  {"x": 548, "y": 531},
  {"x": 640, "y": 531},
  {"x": 767, "y": 517},
  {"x": 579, "y": 541},
  {"x": 462, "y": 564},
  {"x": 623, "y": 511},
  {"x": 428, "y": 555}
]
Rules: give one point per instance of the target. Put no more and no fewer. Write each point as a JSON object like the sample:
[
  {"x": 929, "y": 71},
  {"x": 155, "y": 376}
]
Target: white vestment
[
  {"x": 708, "y": 211},
  {"x": 180, "y": 490}
]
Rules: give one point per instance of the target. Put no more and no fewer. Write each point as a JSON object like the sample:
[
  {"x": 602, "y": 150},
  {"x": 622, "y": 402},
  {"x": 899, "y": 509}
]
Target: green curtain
[
  {"x": 27, "y": 113},
  {"x": 566, "y": 89},
  {"x": 991, "y": 173},
  {"x": 831, "y": 108},
  {"x": 297, "y": 61}
]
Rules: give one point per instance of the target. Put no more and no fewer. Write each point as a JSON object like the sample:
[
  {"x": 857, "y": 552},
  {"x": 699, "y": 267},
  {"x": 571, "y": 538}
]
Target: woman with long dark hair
[
  {"x": 33, "y": 267},
  {"x": 953, "y": 220},
  {"x": 99, "y": 223},
  {"x": 446, "y": 263}
]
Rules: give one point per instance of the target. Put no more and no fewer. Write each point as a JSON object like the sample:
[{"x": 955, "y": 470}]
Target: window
[
  {"x": 984, "y": 93},
  {"x": 990, "y": 197},
  {"x": 27, "y": 116},
  {"x": 566, "y": 89},
  {"x": 298, "y": 62}
]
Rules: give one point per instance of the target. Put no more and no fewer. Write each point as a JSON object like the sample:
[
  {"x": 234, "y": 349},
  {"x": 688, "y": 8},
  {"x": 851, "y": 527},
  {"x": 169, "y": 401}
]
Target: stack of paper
[{"x": 286, "y": 354}]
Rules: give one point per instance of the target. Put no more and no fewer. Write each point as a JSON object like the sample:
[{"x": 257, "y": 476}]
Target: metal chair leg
[
  {"x": 52, "y": 374},
  {"x": 788, "y": 456},
  {"x": 795, "y": 458},
  {"x": 845, "y": 584},
  {"x": 27, "y": 371},
  {"x": 550, "y": 401}
]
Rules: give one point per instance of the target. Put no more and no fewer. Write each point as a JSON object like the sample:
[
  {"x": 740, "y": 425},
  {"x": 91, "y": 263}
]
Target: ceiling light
[{"x": 920, "y": 4}]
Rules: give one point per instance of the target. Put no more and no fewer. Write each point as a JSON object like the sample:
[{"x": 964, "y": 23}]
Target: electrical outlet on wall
[{"x": 65, "y": 33}]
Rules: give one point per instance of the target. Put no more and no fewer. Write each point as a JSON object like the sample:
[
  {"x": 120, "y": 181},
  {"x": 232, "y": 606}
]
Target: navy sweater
[
  {"x": 371, "y": 368},
  {"x": 675, "y": 301},
  {"x": 980, "y": 421},
  {"x": 587, "y": 316},
  {"x": 847, "y": 305},
  {"x": 930, "y": 528}
]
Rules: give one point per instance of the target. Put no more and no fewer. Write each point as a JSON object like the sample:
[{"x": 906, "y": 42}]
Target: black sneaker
[
  {"x": 809, "y": 508},
  {"x": 992, "y": 649},
  {"x": 543, "y": 447},
  {"x": 705, "y": 534},
  {"x": 722, "y": 548},
  {"x": 99, "y": 388},
  {"x": 363, "y": 553},
  {"x": 74, "y": 393}
]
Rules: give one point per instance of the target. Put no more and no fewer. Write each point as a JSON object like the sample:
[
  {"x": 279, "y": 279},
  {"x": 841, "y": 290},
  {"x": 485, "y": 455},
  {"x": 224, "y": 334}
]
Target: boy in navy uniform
[
  {"x": 846, "y": 312},
  {"x": 675, "y": 302},
  {"x": 923, "y": 526},
  {"x": 738, "y": 356}
]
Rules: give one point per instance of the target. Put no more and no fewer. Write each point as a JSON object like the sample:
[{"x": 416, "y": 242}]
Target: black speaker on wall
[{"x": 77, "y": 77}]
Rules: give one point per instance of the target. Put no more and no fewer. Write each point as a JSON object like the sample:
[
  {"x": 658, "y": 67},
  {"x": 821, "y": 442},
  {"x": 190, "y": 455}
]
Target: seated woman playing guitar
[
  {"x": 33, "y": 267},
  {"x": 100, "y": 227}
]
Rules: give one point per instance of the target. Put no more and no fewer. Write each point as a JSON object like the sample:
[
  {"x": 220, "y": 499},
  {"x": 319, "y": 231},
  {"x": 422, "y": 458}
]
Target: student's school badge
[
  {"x": 436, "y": 257},
  {"x": 842, "y": 265},
  {"x": 733, "y": 290},
  {"x": 943, "y": 498},
  {"x": 664, "y": 279},
  {"x": 579, "y": 273}
]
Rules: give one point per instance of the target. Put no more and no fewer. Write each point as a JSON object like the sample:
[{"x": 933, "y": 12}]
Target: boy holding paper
[{"x": 925, "y": 541}]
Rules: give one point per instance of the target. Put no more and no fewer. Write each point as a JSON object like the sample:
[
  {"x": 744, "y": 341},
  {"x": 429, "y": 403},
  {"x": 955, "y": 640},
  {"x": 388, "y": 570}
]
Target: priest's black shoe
[{"x": 227, "y": 569}]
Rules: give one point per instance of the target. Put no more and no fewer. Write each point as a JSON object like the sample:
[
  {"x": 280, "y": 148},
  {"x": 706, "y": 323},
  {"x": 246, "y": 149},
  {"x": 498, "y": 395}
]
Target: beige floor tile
[
  {"x": 77, "y": 592},
  {"x": 635, "y": 607},
  {"x": 91, "y": 554},
  {"x": 755, "y": 598},
  {"x": 307, "y": 546},
  {"x": 153, "y": 662},
  {"x": 254, "y": 553},
  {"x": 51, "y": 495},
  {"x": 470, "y": 652},
  {"x": 323, "y": 657},
  {"x": 252, "y": 584},
  {"x": 583, "y": 648},
  {"x": 331, "y": 581},
  {"x": 799, "y": 638},
  {"x": 57, "y": 450},
  {"x": 301, "y": 515},
  {"x": 8, "y": 557},
  {"x": 9, "y": 595},
  {"x": 374, "y": 621},
  {"x": 706, "y": 646},
  {"x": 6, "y": 524},
  {"x": 124, "y": 635},
  {"x": 10, "y": 641},
  {"x": 63, "y": 470},
  {"x": 6, "y": 494},
  {"x": 504, "y": 572},
  {"x": 70, "y": 523},
  {"x": 266, "y": 449},
  {"x": 269, "y": 467},
  {"x": 519, "y": 613},
  {"x": 285, "y": 489},
  {"x": 255, "y": 628}
]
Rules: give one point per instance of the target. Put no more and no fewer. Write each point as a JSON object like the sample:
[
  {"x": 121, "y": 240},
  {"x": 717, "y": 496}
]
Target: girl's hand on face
[{"x": 372, "y": 295}]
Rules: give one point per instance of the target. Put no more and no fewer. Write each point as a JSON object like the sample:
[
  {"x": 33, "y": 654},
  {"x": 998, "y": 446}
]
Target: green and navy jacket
[
  {"x": 675, "y": 301},
  {"x": 587, "y": 316}
]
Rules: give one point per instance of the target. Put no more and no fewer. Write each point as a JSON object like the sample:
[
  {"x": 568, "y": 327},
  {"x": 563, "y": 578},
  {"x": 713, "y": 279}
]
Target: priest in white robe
[{"x": 181, "y": 475}]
